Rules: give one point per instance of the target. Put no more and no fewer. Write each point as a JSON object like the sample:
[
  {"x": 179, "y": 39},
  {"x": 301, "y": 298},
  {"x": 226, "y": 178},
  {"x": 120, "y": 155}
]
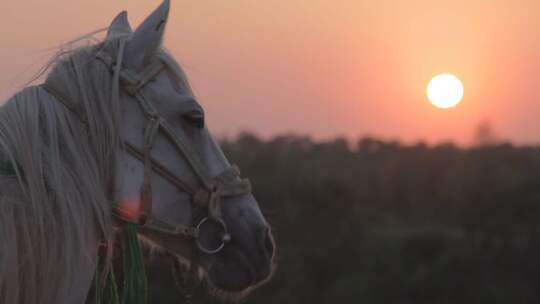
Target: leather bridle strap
[
  {"x": 160, "y": 169},
  {"x": 146, "y": 191}
]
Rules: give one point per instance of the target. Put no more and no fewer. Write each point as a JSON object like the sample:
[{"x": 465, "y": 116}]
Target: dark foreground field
[{"x": 379, "y": 222}]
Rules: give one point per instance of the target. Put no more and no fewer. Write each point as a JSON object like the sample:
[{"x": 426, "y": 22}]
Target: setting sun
[{"x": 445, "y": 91}]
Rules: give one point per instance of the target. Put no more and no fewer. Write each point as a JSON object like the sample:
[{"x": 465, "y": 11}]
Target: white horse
[{"x": 116, "y": 135}]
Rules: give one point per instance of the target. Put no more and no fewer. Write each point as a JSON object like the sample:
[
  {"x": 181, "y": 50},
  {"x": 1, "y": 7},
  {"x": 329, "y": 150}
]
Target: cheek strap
[{"x": 146, "y": 192}]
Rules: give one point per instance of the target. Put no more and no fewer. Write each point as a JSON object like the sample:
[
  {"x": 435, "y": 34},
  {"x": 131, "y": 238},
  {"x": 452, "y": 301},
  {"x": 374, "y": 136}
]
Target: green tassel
[{"x": 135, "y": 284}]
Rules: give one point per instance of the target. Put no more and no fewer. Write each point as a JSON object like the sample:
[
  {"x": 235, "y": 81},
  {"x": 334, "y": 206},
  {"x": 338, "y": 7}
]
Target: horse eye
[{"x": 195, "y": 118}]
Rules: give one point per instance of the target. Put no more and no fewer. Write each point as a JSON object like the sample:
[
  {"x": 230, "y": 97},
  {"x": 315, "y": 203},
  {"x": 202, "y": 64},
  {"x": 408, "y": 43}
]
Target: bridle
[{"x": 205, "y": 197}]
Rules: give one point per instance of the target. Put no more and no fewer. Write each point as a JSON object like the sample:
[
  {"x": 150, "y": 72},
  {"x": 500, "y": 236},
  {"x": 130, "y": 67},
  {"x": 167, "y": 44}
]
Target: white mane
[{"x": 65, "y": 172}]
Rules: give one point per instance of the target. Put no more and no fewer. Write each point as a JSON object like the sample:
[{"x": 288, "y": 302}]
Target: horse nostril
[{"x": 269, "y": 245}]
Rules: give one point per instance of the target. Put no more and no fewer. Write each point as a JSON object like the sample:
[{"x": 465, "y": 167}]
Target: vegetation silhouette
[{"x": 381, "y": 222}]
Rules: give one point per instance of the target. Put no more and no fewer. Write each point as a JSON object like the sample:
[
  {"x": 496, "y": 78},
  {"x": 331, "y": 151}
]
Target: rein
[{"x": 207, "y": 196}]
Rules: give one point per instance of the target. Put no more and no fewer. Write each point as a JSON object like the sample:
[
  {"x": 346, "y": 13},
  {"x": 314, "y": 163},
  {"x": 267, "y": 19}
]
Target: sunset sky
[{"x": 321, "y": 68}]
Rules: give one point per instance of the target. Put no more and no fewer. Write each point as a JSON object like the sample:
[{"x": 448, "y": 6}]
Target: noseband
[{"x": 207, "y": 196}]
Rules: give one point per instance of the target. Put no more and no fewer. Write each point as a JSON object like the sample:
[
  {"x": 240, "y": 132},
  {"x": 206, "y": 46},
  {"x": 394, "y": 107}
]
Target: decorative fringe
[{"x": 135, "y": 289}]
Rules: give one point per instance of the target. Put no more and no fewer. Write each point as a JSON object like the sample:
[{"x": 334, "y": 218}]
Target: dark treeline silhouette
[{"x": 380, "y": 222}]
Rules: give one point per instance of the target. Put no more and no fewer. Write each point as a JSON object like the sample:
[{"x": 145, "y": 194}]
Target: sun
[{"x": 445, "y": 91}]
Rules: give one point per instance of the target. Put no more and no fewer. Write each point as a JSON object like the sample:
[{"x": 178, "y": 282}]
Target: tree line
[{"x": 382, "y": 222}]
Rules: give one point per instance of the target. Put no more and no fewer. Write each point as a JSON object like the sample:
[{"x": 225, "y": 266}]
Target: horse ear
[
  {"x": 147, "y": 37},
  {"x": 119, "y": 26}
]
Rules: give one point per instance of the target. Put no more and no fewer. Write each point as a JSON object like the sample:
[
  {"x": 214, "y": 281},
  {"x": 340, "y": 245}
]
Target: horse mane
[{"x": 65, "y": 172}]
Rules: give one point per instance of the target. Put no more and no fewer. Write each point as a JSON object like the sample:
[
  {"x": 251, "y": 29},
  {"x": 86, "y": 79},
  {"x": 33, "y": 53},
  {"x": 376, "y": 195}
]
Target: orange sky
[{"x": 323, "y": 68}]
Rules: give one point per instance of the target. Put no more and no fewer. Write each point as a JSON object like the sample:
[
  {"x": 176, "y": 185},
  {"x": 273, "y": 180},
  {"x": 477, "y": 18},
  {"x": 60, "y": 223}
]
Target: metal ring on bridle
[{"x": 225, "y": 236}]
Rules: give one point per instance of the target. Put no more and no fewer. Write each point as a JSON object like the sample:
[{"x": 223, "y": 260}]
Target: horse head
[{"x": 171, "y": 176}]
